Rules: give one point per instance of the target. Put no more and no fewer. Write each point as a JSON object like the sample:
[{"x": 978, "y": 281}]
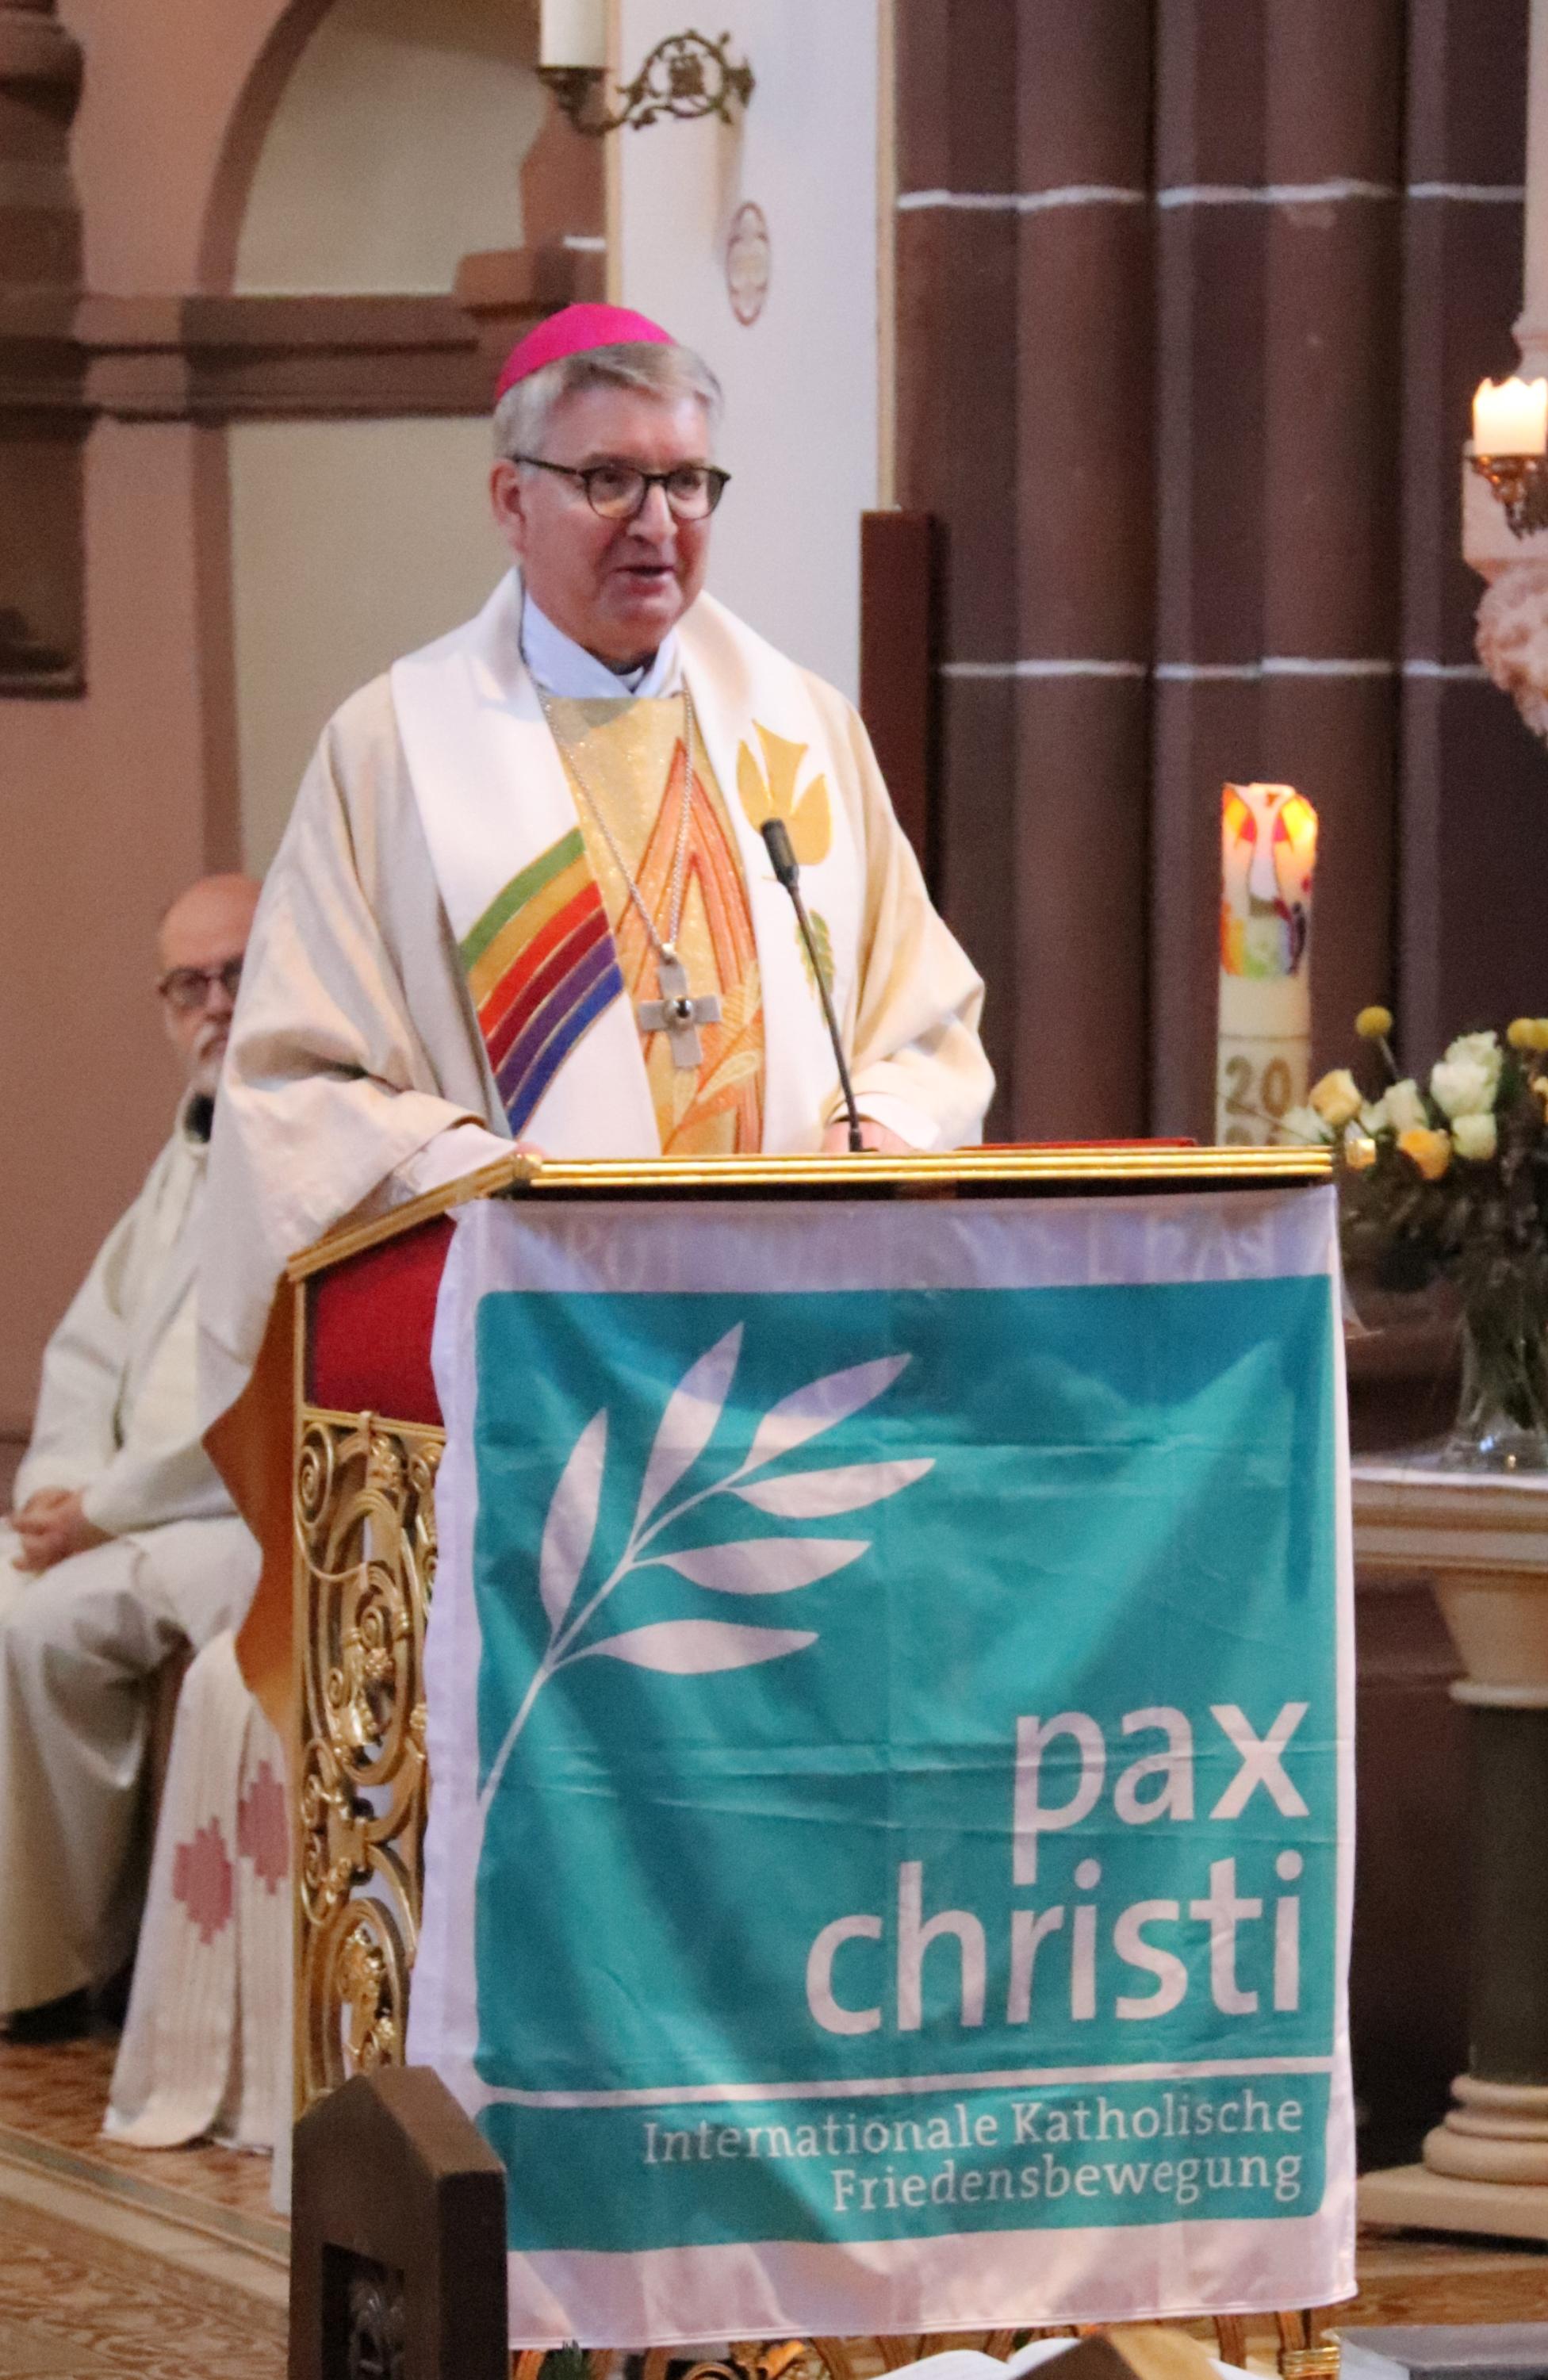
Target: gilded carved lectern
[{"x": 1046, "y": 1381}]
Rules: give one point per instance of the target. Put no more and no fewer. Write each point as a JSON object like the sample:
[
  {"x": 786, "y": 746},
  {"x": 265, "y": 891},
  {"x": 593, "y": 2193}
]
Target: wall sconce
[
  {"x": 1510, "y": 449},
  {"x": 687, "y": 75}
]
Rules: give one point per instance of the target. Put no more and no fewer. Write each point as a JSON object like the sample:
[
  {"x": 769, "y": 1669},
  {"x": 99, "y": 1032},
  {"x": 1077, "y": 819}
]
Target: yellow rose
[
  {"x": 1431, "y": 1151},
  {"x": 1336, "y": 1097},
  {"x": 1374, "y": 1024}
]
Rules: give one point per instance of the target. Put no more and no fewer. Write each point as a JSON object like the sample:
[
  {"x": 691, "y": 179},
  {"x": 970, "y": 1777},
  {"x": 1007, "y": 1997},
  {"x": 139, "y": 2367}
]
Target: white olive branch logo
[{"x": 771, "y": 1565}]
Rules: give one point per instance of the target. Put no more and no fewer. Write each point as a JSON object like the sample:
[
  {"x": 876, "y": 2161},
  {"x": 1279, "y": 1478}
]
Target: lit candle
[
  {"x": 1268, "y": 837},
  {"x": 1511, "y": 419},
  {"x": 574, "y": 33}
]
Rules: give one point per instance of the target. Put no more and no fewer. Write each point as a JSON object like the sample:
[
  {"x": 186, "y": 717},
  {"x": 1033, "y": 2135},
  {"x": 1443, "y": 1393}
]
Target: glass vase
[{"x": 1501, "y": 1416}]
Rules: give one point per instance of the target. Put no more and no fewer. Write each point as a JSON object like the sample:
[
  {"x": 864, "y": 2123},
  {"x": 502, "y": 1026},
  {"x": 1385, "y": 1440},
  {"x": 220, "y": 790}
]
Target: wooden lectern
[{"x": 367, "y": 1438}]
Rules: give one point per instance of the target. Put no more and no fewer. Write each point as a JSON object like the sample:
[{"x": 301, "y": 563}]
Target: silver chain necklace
[{"x": 677, "y": 1014}]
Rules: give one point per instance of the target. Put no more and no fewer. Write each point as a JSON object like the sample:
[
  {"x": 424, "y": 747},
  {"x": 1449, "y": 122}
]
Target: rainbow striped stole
[{"x": 542, "y": 967}]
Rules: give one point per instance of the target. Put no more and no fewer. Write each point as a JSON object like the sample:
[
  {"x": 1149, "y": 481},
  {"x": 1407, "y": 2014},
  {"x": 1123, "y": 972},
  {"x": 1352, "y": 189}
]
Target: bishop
[{"x": 524, "y": 894}]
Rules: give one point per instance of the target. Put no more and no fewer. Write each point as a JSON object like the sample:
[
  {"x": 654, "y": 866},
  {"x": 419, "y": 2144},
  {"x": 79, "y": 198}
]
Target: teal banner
[{"x": 909, "y": 1768}]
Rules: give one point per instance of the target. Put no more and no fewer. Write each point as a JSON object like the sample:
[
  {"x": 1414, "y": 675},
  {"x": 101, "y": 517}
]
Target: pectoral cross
[{"x": 677, "y": 1014}]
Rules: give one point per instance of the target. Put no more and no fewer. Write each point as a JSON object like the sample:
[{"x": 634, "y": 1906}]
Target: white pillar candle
[
  {"x": 574, "y": 33},
  {"x": 1268, "y": 842},
  {"x": 1511, "y": 419}
]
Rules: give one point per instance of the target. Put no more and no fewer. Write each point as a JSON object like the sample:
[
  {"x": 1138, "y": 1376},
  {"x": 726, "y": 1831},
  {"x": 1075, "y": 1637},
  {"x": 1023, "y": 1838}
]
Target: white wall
[
  {"x": 354, "y": 541},
  {"x": 396, "y": 149},
  {"x": 801, "y": 435}
]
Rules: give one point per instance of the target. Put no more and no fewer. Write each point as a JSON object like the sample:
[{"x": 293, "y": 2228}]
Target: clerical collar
[{"x": 564, "y": 668}]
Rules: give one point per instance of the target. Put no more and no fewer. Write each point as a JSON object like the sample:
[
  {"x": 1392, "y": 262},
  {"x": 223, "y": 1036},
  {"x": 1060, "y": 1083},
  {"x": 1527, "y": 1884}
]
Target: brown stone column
[
  {"x": 1474, "y": 820},
  {"x": 1209, "y": 433},
  {"x": 42, "y": 424},
  {"x": 957, "y": 453},
  {"x": 1332, "y": 378},
  {"x": 1085, "y": 576},
  {"x": 1333, "y": 239},
  {"x": 1276, "y": 185},
  {"x": 1023, "y": 425}
]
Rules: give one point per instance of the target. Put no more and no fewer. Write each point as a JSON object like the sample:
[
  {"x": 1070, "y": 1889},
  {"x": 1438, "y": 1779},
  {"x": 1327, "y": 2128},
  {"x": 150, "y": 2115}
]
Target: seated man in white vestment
[
  {"x": 524, "y": 894},
  {"x": 123, "y": 1546}
]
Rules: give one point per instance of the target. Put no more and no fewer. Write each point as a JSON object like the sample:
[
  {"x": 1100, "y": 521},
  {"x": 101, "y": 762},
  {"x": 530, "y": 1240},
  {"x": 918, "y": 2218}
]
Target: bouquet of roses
[{"x": 1451, "y": 1179}]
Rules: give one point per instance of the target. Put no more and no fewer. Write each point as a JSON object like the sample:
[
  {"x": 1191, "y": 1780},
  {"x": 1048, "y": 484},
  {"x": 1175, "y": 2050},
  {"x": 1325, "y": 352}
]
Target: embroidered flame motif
[
  {"x": 770, "y": 792},
  {"x": 730, "y": 1082}
]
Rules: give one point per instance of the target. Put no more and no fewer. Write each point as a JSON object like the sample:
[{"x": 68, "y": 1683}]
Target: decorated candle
[
  {"x": 1268, "y": 837},
  {"x": 574, "y": 33},
  {"x": 1511, "y": 419}
]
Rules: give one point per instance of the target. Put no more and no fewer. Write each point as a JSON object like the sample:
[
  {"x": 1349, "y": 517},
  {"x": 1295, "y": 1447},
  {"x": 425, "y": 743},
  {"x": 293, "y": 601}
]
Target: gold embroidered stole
[{"x": 628, "y": 755}]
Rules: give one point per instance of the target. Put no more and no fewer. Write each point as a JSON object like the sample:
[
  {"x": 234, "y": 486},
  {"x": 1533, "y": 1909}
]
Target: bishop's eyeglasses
[{"x": 619, "y": 492}]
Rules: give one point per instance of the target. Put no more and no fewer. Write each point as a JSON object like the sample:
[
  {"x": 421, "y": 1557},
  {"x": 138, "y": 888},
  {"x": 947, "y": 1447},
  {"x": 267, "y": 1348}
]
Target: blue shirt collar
[{"x": 564, "y": 668}]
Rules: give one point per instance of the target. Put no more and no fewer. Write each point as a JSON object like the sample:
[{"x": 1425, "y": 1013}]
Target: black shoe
[{"x": 65, "y": 2019}]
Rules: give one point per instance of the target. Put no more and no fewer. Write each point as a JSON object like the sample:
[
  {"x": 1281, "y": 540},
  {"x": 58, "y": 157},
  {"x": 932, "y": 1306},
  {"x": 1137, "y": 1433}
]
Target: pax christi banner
[{"x": 889, "y": 1709}]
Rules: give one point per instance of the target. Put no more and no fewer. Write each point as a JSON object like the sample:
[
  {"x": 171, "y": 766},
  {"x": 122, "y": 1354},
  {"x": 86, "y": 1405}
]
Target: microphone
[{"x": 785, "y": 868}]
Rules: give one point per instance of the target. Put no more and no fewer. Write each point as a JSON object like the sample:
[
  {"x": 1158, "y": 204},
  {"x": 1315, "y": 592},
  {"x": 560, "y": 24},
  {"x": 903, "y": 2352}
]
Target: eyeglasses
[
  {"x": 186, "y": 989},
  {"x": 619, "y": 491}
]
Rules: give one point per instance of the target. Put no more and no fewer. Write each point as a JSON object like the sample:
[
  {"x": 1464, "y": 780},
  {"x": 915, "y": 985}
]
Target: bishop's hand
[{"x": 835, "y": 1140}]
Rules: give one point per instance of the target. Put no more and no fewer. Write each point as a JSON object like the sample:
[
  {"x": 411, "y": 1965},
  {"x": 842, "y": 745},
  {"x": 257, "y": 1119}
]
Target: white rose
[
  {"x": 1405, "y": 1109},
  {"x": 1460, "y": 1087},
  {"x": 1475, "y": 1136},
  {"x": 1373, "y": 1117},
  {"x": 1303, "y": 1127},
  {"x": 1477, "y": 1050}
]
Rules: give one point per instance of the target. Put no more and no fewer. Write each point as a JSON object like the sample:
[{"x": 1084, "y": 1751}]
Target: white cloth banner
[{"x": 890, "y": 1690}]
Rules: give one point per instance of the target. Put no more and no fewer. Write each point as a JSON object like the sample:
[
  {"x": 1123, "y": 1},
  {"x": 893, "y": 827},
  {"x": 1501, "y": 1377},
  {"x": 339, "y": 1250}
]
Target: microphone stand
[{"x": 789, "y": 873}]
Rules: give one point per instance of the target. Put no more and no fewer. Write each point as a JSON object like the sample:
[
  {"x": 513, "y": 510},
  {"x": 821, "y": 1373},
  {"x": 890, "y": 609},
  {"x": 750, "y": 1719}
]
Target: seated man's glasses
[
  {"x": 189, "y": 987},
  {"x": 617, "y": 492}
]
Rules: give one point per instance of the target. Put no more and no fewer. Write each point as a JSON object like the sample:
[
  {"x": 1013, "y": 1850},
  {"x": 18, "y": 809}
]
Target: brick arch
[
  {"x": 246, "y": 129},
  {"x": 561, "y": 181},
  {"x": 351, "y": 345}
]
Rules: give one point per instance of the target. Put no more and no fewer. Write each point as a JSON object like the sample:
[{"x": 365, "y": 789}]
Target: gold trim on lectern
[{"x": 971, "y": 1173}]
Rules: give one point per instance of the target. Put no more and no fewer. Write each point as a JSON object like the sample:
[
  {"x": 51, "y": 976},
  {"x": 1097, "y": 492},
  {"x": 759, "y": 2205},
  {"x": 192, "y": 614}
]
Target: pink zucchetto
[{"x": 574, "y": 330}]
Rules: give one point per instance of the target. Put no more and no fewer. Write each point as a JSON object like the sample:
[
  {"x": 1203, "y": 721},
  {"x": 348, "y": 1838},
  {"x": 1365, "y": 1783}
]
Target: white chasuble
[
  {"x": 434, "y": 966},
  {"x": 527, "y": 914}
]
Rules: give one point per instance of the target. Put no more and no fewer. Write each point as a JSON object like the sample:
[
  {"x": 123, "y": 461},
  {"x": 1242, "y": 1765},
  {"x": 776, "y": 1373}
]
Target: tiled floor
[
  {"x": 165, "y": 2264},
  {"x": 80, "y": 2301},
  {"x": 170, "y": 2264},
  {"x": 1408, "y": 2277},
  {"x": 56, "y": 2098}
]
